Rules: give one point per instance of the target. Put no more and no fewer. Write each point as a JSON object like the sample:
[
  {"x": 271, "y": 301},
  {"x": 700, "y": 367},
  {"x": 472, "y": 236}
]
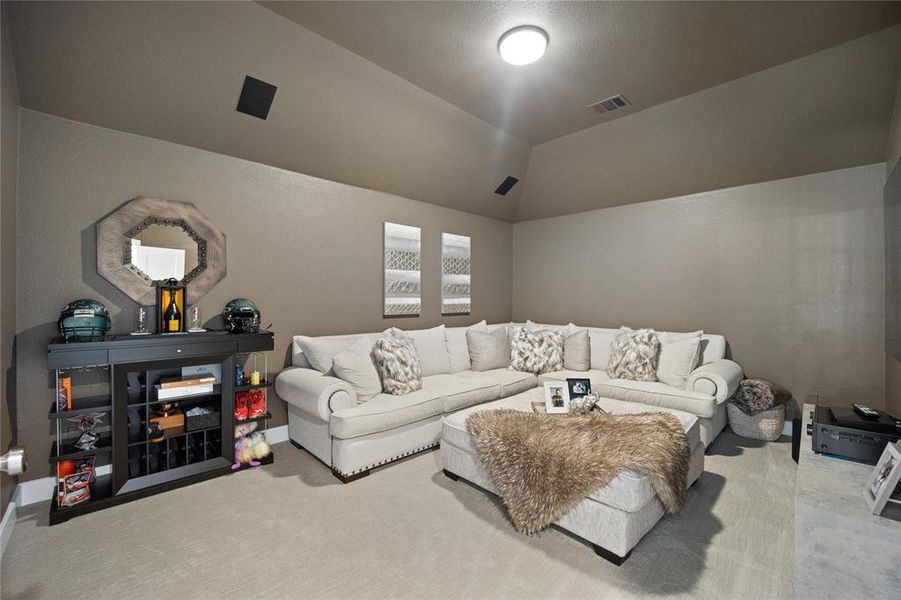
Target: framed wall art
[
  {"x": 403, "y": 268},
  {"x": 455, "y": 274}
]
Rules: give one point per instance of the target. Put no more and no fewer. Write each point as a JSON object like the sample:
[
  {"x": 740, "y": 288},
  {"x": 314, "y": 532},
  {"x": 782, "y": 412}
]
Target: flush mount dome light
[{"x": 523, "y": 45}]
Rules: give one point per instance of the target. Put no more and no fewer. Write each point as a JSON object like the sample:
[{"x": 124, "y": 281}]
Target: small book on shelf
[
  {"x": 184, "y": 392},
  {"x": 180, "y": 382}
]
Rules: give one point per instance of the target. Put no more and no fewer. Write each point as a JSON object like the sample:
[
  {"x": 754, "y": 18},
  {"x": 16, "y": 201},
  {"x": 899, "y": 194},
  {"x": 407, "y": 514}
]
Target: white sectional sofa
[{"x": 325, "y": 418}]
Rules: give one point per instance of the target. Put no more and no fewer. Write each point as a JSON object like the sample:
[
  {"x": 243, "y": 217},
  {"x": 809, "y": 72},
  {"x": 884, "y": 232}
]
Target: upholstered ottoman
[{"x": 614, "y": 518}]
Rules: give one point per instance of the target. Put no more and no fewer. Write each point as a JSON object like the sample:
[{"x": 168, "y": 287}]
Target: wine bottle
[{"x": 173, "y": 316}]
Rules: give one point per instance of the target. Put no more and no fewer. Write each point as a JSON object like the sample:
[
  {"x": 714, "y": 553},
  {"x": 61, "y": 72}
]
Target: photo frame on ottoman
[
  {"x": 578, "y": 387},
  {"x": 882, "y": 482},
  {"x": 556, "y": 397}
]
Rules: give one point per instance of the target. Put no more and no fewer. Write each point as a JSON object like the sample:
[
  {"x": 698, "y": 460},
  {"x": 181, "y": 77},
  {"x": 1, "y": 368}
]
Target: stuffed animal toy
[{"x": 244, "y": 454}]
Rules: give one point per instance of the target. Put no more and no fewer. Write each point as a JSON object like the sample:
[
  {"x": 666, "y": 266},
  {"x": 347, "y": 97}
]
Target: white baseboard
[
  {"x": 38, "y": 490},
  {"x": 7, "y": 525},
  {"x": 277, "y": 435}
]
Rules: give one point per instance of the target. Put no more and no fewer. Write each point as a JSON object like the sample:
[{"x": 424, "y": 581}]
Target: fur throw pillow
[
  {"x": 538, "y": 351},
  {"x": 398, "y": 363},
  {"x": 633, "y": 355}
]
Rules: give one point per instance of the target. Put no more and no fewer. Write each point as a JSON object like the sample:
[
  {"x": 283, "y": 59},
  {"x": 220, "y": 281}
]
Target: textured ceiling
[{"x": 650, "y": 51}]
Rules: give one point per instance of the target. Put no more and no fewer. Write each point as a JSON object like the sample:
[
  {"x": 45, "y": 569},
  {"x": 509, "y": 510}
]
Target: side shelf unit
[
  {"x": 112, "y": 390},
  {"x": 252, "y": 361}
]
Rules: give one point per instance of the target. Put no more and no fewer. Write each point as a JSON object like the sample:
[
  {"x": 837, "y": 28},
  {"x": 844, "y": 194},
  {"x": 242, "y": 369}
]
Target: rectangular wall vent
[{"x": 609, "y": 104}]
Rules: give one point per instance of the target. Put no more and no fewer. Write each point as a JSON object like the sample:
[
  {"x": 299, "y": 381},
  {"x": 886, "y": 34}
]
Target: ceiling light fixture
[{"x": 523, "y": 45}]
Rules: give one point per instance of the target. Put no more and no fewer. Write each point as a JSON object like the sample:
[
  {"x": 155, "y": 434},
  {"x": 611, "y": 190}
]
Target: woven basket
[{"x": 764, "y": 425}]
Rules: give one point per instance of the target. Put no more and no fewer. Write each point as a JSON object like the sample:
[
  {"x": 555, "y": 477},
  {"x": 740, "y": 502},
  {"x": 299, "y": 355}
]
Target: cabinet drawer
[
  {"x": 65, "y": 360},
  {"x": 124, "y": 355}
]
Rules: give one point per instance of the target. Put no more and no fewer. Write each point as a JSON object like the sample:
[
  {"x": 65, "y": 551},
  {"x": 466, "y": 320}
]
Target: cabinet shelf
[
  {"x": 248, "y": 388},
  {"x": 82, "y": 406},
  {"x": 253, "y": 419},
  {"x": 266, "y": 460},
  {"x": 172, "y": 436},
  {"x": 66, "y": 450}
]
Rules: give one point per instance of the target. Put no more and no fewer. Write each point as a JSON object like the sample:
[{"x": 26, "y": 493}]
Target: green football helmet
[
  {"x": 241, "y": 316},
  {"x": 84, "y": 320}
]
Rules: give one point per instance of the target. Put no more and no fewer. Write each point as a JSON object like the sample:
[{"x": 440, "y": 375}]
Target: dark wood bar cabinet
[{"x": 118, "y": 380}]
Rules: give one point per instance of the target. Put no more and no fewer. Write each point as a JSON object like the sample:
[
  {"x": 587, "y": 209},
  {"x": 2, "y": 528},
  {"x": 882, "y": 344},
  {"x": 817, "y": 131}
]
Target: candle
[{"x": 254, "y": 378}]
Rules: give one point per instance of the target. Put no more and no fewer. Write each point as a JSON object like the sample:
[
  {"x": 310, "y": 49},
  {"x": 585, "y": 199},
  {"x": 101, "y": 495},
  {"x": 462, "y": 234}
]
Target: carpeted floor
[{"x": 291, "y": 530}]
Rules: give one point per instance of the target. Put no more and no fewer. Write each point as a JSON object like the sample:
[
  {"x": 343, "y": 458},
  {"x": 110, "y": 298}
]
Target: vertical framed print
[
  {"x": 456, "y": 282},
  {"x": 402, "y": 271}
]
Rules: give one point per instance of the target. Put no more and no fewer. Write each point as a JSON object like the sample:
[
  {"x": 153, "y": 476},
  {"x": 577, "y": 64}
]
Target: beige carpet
[{"x": 291, "y": 530}]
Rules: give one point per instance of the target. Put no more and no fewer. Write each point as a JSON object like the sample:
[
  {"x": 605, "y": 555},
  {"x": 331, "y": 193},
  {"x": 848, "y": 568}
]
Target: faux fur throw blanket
[
  {"x": 755, "y": 395},
  {"x": 543, "y": 466}
]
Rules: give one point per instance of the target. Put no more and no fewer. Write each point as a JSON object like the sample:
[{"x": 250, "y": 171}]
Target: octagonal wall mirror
[{"x": 148, "y": 241}]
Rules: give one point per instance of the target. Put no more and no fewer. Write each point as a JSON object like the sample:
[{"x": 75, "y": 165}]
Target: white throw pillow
[
  {"x": 680, "y": 354},
  {"x": 320, "y": 352},
  {"x": 488, "y": 349},
  {"x": 600, "y": 341},
  {"x": 355, "y": 366},
  {"x": 538, "y": 351},
  {"x": 431, "y": 345},
  {"x": 576, "y": 350},
  {"x": 457, "y": 350}
]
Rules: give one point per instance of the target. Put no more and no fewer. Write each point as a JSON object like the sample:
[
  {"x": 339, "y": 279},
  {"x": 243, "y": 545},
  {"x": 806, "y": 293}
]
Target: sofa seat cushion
[
  {"x": 439, "y": 394},
  {"x": 511, "y": 382},
  {"x": 385, "y": 412},
  {"x": 595, "y": 375},
  {"x": 628, "y": 491},
  {"x": 655, "y": 393},
  {"x": 460, "y": 392}
]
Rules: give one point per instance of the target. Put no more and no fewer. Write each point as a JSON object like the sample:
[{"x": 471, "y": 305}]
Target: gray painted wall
[
  {"x": 9, "y": 138},
  {"x": 893, "y": 262},
  {"x": 306, "y": 249},
  {"x": 790, "y": 271}
]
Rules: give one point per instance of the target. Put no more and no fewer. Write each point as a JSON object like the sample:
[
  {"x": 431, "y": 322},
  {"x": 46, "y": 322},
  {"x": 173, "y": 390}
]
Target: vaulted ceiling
[
  {"x": 411, "y": 98},
  {"x": 651, "y": 52}
]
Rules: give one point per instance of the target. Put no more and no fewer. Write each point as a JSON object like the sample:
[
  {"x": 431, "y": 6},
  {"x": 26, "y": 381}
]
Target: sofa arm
[
  {"x": 719, "y": 379},
  {"x": 314, "y": 393}
]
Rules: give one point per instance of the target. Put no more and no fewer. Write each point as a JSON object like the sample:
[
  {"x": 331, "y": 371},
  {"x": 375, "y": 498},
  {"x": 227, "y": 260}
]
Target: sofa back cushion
[
  {"x": 599, "y": 339},
  {"x": 457, "y": 350},
  {"x": 356, "y": 367},
  {"x": 319, "y": 352},
  {"x": 713, "y": 347},
  {"x": 488, "y": 349},
  {"x": 680, "y": 354},
  {"x": 431, "y": 345}
]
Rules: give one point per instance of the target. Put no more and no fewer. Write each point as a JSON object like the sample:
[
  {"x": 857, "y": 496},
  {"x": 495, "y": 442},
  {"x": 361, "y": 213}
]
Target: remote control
[{"x": 865, "y": 411}]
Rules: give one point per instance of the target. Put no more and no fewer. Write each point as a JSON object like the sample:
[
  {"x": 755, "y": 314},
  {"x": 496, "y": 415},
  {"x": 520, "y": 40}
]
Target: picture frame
[
  {"x": 884, "y": 479},
  {"x": 556, "y": 397},
  {"x": 578, "y": 387}
]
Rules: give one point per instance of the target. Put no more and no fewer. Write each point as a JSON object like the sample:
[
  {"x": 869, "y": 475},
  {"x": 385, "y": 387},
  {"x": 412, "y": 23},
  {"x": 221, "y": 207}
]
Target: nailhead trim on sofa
[{"x": 388, "y": 460}]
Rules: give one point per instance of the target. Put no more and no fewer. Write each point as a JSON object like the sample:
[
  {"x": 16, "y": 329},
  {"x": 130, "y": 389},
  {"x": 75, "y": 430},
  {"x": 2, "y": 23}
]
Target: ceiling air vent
[{"x": 609, "y": 104}]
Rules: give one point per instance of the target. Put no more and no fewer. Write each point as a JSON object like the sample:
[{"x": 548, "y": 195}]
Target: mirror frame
[{"x": 114, "y": 233}]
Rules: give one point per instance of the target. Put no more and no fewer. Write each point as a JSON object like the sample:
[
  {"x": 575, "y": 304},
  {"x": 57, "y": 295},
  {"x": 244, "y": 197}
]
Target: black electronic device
[{"x": 844, "y": 433}]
